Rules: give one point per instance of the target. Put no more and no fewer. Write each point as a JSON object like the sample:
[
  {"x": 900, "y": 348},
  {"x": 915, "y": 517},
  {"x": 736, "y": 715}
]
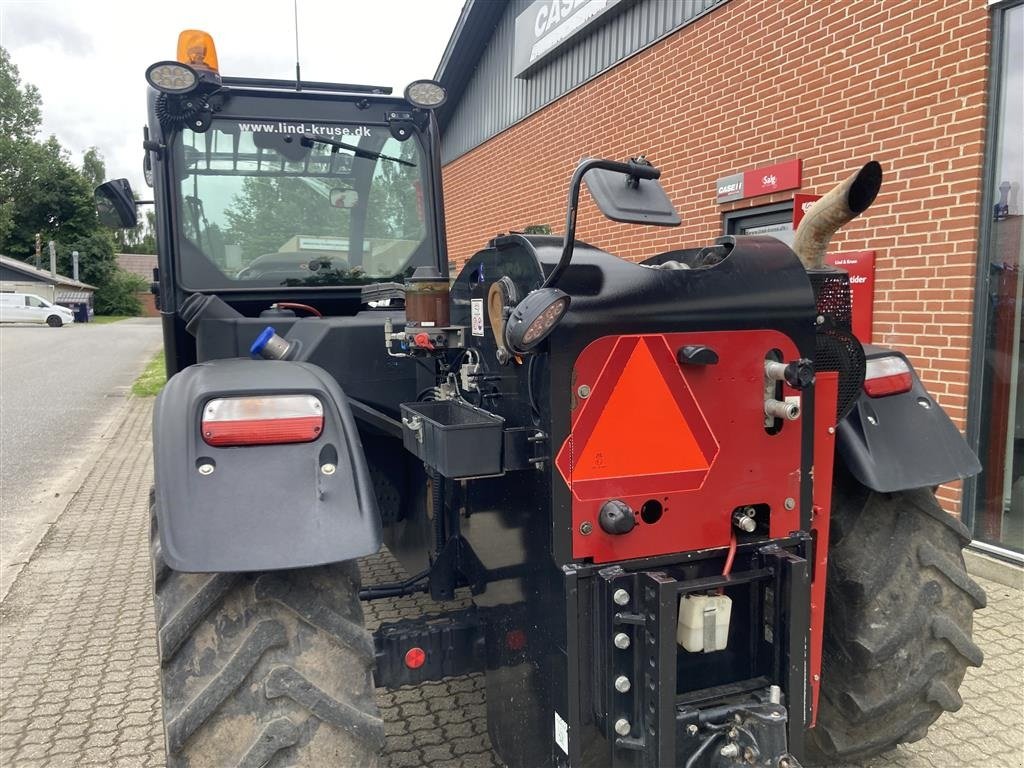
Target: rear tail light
[
  {"x": 262, "y": 420},
  {"x": 887, "y": 376}
]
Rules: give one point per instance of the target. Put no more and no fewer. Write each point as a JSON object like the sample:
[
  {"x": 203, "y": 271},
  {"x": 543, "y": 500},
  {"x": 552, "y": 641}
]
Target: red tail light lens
[
  {"x": 887, "y": 376},
  {"x": 262, "y": 420}
]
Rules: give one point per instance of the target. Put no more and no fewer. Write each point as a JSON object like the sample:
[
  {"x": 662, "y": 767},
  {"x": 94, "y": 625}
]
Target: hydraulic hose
[{"x": 846, "y": 201}]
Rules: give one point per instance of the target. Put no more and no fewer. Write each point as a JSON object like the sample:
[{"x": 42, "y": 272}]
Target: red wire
[
  {"x": 732, "y": 554},
  {"x": 292, "y": 305}
]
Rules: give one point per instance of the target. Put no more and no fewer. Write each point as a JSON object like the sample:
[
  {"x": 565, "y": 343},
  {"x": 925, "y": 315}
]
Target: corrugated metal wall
[{"x": 494, "y": 99}]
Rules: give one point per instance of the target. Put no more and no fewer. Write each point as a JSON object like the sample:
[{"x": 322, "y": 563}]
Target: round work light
[
  {"x": 534, "y": 318},
  {"x": 425, "y": 94},
  {"x": 172, "y": 77}
]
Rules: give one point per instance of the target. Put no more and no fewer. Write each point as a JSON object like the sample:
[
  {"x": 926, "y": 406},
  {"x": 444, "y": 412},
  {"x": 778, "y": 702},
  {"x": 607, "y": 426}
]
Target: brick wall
[{"x": 758, "y": 81}]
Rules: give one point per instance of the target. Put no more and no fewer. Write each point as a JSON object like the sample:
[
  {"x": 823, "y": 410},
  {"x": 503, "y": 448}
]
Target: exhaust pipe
[{"x": 846, "y": 201}]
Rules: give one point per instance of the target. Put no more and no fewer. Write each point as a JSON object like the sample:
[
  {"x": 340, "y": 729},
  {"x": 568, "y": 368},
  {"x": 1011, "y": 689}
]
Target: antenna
[{"x": 298, "y": 76}]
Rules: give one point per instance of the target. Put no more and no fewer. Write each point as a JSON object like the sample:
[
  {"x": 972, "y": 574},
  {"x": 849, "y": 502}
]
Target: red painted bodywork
[
  {"x": 699, "y": 428},
  {"x": 826, "y": 392}
]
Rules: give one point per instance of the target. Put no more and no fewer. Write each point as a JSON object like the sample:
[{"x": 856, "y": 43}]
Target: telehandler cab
[{"x": 694, "y": 514}]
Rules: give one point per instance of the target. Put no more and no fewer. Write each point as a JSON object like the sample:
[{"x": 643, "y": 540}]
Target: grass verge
[
  {"x": 151, "y": 380},
  {"x": 104, "y": 319}
]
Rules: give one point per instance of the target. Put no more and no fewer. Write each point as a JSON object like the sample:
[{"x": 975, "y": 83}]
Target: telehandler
[{"x": 694, "y": 514}]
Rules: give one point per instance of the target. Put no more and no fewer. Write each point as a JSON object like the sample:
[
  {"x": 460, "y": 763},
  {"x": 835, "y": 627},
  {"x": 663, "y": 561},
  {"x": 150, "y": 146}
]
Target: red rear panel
[{"x": 690, "y": 439}]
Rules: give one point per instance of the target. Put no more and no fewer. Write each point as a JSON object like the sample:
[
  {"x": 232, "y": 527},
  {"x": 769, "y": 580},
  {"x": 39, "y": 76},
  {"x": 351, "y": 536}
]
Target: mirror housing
[{"x": 115, "y": 204}]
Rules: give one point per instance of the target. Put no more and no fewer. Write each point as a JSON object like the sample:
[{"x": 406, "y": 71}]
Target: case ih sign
[
  {"x": 759, "y": 181},
  {"x": 546, "y": 26}
]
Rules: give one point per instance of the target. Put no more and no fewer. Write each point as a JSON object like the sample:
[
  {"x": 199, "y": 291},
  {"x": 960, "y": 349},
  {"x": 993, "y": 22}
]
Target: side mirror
[{"x": 115, "y": 204}]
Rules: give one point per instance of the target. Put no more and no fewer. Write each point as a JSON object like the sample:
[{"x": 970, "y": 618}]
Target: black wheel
[
  {"x": 898, "y": 618},
  {"x": 265, "y": 669},
  {"x": 54, "y": 321}
]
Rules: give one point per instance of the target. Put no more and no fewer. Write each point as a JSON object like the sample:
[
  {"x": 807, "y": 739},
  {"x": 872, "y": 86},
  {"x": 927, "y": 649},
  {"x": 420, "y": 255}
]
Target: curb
[{"x": 994, "y": 569}]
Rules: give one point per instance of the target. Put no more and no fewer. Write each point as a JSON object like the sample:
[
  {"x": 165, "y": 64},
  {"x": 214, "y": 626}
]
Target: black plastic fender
[
  {"x": 262, "y": 507},
  {"x": 903, "y": 441}
]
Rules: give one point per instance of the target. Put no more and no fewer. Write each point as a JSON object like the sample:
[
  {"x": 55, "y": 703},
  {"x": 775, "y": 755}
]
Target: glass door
[{"x": 995, "y": 499}]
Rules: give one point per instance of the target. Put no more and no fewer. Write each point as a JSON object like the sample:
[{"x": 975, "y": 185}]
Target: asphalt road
[{"x": 59, "y": 390}]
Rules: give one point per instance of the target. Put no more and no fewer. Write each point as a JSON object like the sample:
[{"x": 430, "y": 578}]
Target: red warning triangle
[{"x": 641, "y": 430}]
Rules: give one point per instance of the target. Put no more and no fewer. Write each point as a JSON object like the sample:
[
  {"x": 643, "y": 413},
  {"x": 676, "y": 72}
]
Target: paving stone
[{"x": 78, "y": 671}]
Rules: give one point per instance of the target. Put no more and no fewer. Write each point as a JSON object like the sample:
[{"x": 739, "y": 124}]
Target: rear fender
[
  {"x": 262, "y": 507},
  {"x": 903, "y": 441}
]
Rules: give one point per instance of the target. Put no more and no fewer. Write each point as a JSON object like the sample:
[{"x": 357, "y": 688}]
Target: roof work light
[{"x": 425, "y": 94}]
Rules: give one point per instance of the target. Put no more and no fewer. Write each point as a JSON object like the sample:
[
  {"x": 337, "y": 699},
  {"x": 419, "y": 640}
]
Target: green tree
[
  {"x": 20, "y": 117},
  {"x": 139, "y": 239},
  {"x": 20, "y": 113},
  {"x": 42, "y": 191},
  {"x": 97, "y": 262},
  {"x": 93, "y": 167},
  {"x": 120, "y": 294}
]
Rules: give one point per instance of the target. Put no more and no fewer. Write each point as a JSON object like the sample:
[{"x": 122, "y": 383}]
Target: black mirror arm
[{"x": 633, "y": 170}]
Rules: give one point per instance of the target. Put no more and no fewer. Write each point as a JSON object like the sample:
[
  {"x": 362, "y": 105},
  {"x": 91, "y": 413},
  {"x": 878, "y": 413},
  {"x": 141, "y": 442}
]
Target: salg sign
[
  {"x": 758, "y": 181},
  {"x": 548, "y": 25}
]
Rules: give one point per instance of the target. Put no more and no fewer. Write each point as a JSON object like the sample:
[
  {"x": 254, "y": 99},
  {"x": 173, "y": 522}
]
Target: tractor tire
[
  {"x": 265, "y": 669},
  {"x": 898, "y": 616},
  {"x": 54, "y": 321}
]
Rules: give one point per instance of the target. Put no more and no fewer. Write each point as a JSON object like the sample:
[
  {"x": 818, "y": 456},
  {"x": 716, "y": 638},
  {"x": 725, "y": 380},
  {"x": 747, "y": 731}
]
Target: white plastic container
[{"x": 696, "y": 611}]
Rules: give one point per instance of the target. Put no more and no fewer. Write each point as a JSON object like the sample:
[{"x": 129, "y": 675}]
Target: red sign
[
  {"x": 772, "y": 178},
  {"x": 801, "y": 205},
  {"x": 861, "y": 266}
]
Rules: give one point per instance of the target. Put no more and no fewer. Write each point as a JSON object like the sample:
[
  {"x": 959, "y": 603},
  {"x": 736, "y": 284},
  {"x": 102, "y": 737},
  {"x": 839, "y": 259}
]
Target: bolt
[
  {"x": 586, "y": 527},
  {"x": 790, "y": 503},
  {"x": 775, "y": 715},
  {"x": 621, "y": 640},
  {"x": 774, "y": 694},
  {"x": 621, "y": 597},
  {"x": 622, "y": 684},
  {"x": 817, "y": 678},
  {"x": 872, "y": 420},
  {"x": 750, "y": 511},
  {"x": 328, "y": 469},
  {"x": 820, "y": 320},
  {"x": 831, "y": 430},
  {"x": 691, "y": 730},
  {"x": 622, "y": 726},
  {"x": 729, "y": 750},
  {"x": 583, "y": 391},
  {"x": 205, "y": 469},
  {"x": 733, "y": 733}
]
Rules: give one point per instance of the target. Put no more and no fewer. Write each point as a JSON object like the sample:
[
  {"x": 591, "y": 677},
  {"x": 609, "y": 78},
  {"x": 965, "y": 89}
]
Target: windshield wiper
[{"x": 308, "y": 140}]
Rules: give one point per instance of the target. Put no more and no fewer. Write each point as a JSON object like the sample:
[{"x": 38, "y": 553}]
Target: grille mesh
[{"x": 836, "y": 348}]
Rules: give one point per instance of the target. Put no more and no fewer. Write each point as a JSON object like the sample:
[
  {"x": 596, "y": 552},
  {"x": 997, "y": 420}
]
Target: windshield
[{"x": 266, "y": 204}]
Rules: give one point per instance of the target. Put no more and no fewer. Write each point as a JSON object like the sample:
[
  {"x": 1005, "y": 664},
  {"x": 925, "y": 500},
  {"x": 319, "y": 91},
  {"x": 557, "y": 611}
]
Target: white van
[{"x": 29, "y": 308}]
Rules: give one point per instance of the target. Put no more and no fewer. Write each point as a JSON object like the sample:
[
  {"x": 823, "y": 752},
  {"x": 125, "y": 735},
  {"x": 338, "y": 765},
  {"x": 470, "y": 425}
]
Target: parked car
[{"x": 29, "y": 308}]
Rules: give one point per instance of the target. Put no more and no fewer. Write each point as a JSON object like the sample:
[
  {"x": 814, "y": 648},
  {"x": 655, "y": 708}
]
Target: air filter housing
[{"x": 836, "y": 348}]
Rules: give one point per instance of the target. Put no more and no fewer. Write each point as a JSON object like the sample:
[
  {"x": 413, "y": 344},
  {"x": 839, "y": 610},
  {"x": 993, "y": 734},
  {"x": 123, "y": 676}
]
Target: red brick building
[{"x": 712, "y": 88}]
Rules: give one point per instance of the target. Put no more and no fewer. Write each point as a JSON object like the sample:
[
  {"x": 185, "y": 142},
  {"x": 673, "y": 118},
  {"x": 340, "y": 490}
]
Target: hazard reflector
[{"x": 641, "y": 430}]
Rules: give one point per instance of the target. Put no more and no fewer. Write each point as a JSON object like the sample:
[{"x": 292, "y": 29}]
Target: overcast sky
[{"x": 88, "y": 58}]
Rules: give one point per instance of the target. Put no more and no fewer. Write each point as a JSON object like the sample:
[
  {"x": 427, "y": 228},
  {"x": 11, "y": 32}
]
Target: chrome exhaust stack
[{"x": 845, "y": 202}]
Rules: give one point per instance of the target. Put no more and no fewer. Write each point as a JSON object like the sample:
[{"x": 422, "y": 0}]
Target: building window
[
  {"x": 775, "y": 220},
  {"x": 994, "y": 501}
]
